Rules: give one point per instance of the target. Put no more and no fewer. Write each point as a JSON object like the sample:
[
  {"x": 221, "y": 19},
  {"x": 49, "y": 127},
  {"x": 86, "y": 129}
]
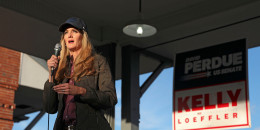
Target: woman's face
[{"x": 73, "y": 39}]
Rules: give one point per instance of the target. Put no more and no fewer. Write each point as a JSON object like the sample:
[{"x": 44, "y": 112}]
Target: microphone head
[{"x": 57, "y": 47}]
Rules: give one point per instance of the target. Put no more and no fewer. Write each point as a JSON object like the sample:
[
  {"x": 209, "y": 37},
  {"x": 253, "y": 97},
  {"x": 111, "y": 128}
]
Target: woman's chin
[{"x": 71, "y": 47}]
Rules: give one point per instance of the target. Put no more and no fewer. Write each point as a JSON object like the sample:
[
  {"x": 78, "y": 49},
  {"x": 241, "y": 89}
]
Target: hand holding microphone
[{"x": 53, "y": 61}]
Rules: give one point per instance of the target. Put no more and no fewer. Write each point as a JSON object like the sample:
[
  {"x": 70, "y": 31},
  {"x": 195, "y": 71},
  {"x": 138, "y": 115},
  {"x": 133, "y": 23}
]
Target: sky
[{"x": 156, "y": 103}]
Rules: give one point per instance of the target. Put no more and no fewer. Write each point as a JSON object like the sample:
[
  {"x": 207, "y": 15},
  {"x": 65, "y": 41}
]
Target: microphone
[{"x": 57, "y": 49}]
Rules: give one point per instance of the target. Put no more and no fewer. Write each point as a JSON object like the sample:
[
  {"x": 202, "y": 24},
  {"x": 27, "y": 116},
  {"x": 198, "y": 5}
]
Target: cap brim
[{"x": 64, "y": 26}]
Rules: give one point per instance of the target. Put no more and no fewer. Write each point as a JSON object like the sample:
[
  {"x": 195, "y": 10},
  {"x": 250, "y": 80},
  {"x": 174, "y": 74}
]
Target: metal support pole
[
  {"x": 130, "y": 89},
  {"x": 35, "y": 120},
  {"x": 153, "y": 76}
]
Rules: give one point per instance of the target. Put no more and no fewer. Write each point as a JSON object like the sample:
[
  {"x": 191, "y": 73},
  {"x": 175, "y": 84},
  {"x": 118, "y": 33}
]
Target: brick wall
[{"x": 9, "y": 77}]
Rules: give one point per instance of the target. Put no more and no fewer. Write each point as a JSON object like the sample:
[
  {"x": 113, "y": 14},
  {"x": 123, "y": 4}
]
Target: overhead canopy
[{"x": 31, "y": 26}]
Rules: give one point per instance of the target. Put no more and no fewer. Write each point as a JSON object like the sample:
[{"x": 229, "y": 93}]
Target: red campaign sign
[{"x": 210, "y": 88}]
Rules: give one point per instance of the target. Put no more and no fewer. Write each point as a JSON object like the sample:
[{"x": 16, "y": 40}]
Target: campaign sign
[{"x": 211, "y": 88}]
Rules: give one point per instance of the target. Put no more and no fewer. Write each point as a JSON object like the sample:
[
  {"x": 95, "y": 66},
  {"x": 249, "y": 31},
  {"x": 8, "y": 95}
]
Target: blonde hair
[{"x": 84, "y": 62}]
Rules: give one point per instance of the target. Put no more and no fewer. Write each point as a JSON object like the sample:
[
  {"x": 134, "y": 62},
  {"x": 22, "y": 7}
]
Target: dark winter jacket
[{"x": 100, "y": 95}]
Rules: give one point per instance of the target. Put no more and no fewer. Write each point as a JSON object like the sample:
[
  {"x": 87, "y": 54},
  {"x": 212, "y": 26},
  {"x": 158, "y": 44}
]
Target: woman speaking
[{"x": 81, "y": 86}]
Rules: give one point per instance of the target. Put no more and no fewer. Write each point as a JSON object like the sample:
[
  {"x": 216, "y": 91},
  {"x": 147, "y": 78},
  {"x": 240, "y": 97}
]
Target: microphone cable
[{"x": 49, "y": 102}]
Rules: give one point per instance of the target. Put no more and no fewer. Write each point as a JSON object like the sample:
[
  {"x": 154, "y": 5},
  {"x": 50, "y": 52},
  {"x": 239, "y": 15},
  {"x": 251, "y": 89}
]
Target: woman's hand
[
  {"x": 66, "y": 88},
  {"x": 53, "y": 62}
]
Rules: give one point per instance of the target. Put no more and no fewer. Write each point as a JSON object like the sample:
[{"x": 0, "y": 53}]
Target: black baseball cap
[{"x": 74, "y": 22}]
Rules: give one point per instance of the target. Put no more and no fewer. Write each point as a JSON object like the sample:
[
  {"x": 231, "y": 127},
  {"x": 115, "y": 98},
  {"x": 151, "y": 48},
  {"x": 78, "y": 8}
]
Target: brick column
[{"x": 9, "y": 77}]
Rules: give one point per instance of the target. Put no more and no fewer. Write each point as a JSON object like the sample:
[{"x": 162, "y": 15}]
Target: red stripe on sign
[
  {"x": 210, "y": 85},
  {"x": 218, "y": 127},
  {"x": 174, "y": 108},
  {"x": 246, "y": 103}
]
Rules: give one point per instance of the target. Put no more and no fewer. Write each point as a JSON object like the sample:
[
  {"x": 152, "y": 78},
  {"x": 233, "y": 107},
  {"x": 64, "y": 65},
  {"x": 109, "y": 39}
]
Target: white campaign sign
[{"x": 212, "y": 107}]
